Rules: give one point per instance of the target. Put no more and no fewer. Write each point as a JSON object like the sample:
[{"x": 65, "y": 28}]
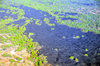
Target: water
[{"x": 53, "y": 39}]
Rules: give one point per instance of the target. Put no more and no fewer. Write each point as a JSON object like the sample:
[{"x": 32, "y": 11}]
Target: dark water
[{"x": 67, "y": 46}]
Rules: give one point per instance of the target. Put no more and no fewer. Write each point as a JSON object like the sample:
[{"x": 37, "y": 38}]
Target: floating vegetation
[
  {"x": 38, "y": 22},
  {"x": 52, "y": 28},
  {"x": 82, "y": 35},
  {"x": 76, "y": 37},
  {"x": 30, "y": 34},
  {"x": 46, "y": 20},
  {"x": 2, "y": 11},
  {"x": 76, "y": 60},
  {"x": 85, "y": 54},
  {"x": 71, "y": 57},
  {"x": 86, "y": 49}
]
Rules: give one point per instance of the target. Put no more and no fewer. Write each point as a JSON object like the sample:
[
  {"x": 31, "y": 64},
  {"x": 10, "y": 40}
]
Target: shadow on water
[
  {"x": 60, "y": 43},
  {"x": 68, "y": 18}
]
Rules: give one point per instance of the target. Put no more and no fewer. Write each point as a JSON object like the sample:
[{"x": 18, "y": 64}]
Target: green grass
[
  {"x": 7, "y": 46},
  {"x": 12, "y": 60},
  {"x": 6, "y": 55},
  {"x": 2, "y": 39},
  {"x": 18, "y": 38}
]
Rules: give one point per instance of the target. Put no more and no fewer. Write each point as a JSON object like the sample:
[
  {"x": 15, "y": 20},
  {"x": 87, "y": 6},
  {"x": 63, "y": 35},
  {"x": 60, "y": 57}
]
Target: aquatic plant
[
  {"x": 86, "y": 49},
  {"x": 38, "y": 22},
  {"x": 71, "y": 57},
  {"x": 52, "y": 28},
  {"x": 2, "y": 11},
  {"x": 85, "y": 54},
  {"x": 76, "y": 60},
  {"x": 46, "y": 20}
]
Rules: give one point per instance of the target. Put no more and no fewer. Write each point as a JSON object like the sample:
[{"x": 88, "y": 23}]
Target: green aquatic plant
[
  {"x": 77, "y": 37},
  {"x": 38, "y": 22},
  {"x": 30, "y": 34},
  {"x": 2, "y": 11},
  {"x": 82, "y": 35},
  {"x": 85, "y": 54},
  {"x": 52, "y": 28},
  {"x": 46, "y": 20},
  {"x": 71, "y": 57},
  {"x": 86, "y": 49},
  {"x": 76, "y": 60}
]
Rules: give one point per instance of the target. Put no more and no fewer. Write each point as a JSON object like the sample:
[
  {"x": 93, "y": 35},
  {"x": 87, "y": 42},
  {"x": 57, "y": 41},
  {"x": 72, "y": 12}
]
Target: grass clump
[
  {"x": 2, "y": 39},
  {"x": 12, "y": 60},
  {"x": 6, "y": 55},
  {"x": 6, "y": 46}
]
